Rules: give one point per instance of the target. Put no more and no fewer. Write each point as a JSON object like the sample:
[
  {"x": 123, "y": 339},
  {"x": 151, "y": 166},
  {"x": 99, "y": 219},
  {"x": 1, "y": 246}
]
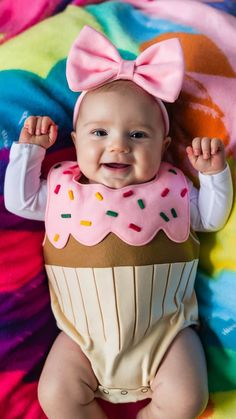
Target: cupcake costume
[{"x": 121, "y": 266}]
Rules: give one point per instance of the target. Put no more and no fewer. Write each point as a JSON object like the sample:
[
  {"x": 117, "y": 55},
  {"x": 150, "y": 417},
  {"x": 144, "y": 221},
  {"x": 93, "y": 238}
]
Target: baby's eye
[
  {"x": 99, "y": 132},
  {"x": 138, "y": 134}
]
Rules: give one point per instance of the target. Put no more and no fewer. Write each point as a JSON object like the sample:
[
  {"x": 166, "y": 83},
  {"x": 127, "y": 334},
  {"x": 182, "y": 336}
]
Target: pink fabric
[
  {"x": 93, "y": 61},
  {"x": 16, "y": 16},
  {"x": 84, "y": 2},
  {"x": 138, "y": 211}
]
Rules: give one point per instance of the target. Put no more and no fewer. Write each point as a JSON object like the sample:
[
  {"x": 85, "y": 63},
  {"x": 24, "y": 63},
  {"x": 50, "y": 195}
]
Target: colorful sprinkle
[
  {"x": 164, "y": 216},
  {"x": 67, "y": 172},
  {"x": 134, "y": 227},
  {"x": 56, "y": 237},
  {"x": 71, "y": 195},
  {"x": 65, "y": 215},
  {"x": 172, "y": 171},
  {"x": 86, "y": 223},
  {"x": 127, "y": 194},
  {"x": 74, "y": 167},
  {"x": 57, "y": 188},
  {"x": 165, "y": 192},
  {"x": 141, "y": 203},
  {"x": 183, "y": 192},
  {"x": 174, "y": 213},
  {"x": 57, "y": 165},
  {"x": 112, "y": 213},
  {"x": 99, "y": 196}
]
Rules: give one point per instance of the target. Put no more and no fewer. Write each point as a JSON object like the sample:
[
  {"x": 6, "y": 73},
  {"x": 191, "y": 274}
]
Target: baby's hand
[
  {"x": 39, "y": 130},
  {"x": 207, "y": 155}
]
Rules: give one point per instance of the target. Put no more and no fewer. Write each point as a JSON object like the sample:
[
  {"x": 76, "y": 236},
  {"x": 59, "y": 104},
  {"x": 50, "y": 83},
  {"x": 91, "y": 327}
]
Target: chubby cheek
[
  {"x": 88, "y": 157},
  {"x": 150, "y": 166}
]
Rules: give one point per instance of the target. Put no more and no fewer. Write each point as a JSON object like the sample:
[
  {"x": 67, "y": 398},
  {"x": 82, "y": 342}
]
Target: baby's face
[{"x": 119, "y": 137}]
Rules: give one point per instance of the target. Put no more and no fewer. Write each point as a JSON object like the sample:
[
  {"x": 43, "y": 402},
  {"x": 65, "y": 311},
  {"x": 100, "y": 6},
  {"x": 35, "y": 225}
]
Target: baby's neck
[{"x": 84, "y": 180}]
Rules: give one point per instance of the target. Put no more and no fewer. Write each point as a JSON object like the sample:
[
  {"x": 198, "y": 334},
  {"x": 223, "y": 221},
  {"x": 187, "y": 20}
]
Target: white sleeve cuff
[{"x": 221, "y": 177}]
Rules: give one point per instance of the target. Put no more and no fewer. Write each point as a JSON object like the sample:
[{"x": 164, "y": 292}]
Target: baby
[{"x": 120, "y": 250}]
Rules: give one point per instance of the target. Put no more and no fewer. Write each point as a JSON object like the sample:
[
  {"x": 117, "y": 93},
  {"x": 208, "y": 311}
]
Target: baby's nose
[{"x": 119, "y": 145}]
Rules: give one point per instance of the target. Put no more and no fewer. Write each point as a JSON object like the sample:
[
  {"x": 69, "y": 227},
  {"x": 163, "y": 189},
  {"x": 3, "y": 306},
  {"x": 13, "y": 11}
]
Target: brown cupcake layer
[{"x": 112, "y": 251}]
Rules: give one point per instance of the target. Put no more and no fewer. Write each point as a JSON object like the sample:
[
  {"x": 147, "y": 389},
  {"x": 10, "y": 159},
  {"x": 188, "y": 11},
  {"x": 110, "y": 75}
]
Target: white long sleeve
[
  {"x": 210, "y": 206},
  {"x": 26, "y": 194}
]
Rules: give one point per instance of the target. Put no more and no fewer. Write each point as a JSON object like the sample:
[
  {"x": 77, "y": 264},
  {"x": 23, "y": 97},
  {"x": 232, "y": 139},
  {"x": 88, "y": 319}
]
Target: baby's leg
[
  {"x": 67, "y": 383},
  {"x": 180, "y": 389}
]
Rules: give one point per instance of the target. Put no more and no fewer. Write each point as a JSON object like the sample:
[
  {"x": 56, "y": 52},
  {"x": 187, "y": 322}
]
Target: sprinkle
[
  {"x": 174, "y": 213},
  {"x": 164, "y": 216},
  {"x": 57, "y": 188},
  {"x": 183, "y": 192},
  {"x": 99, "y": 196},
  {"x": 135, "y": 227},
  {"x": 57, "y": 165},
  {"x": 165, "y": 192},
  {"x": 56, "y": 237},
  {"x": 86, "y": 223},
  {"x": 74, "y": 167},
  {"x": 172, "y": 171},
  {"x": 67, "y": 172},
  {"x": 112, "y": 213},
  {"x": 127, "y": 194},
  {"x": 65, "y": 215},
  {"x": 71, "y": 195},
  {"x": 141, "y": 203}
]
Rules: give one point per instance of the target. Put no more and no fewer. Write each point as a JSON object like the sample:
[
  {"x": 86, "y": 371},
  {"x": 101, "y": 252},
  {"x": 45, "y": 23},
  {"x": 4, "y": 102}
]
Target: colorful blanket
[{"x": 32, "y": 81}]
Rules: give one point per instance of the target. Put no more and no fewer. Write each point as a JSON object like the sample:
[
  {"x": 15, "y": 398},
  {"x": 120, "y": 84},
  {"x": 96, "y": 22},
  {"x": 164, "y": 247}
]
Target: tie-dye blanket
[{"x": 32, "y": 81}]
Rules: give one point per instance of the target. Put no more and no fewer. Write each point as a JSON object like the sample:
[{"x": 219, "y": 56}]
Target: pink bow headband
[{"x": 94, "y": 61}]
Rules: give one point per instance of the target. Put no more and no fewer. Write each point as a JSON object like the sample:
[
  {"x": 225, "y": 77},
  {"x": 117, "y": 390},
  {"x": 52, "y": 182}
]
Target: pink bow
[{"x": 93, "y": 60}]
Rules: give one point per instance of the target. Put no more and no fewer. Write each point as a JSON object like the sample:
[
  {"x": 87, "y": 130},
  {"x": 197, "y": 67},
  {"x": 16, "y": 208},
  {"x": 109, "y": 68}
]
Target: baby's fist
[
  {"x": 207, "y": 155},
  {"x": 39, "y": 130}
]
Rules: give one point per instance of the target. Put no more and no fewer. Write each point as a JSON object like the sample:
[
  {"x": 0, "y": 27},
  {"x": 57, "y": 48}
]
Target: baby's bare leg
[
  {"x": 180, "y": 389},
  {"x": 67, "y": 383}
]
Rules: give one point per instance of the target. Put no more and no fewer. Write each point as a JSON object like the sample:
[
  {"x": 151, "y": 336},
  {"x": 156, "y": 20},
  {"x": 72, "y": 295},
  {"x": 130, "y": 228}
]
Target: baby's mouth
[{"x": 116, "y": 165}]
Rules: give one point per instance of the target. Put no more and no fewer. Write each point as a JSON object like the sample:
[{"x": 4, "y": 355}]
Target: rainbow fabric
[{"x": 32, "y": 81}]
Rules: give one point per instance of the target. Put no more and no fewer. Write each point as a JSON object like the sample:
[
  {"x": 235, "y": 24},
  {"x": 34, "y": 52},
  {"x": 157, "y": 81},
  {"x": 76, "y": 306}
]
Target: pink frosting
[{"x": 134, "y": 213}]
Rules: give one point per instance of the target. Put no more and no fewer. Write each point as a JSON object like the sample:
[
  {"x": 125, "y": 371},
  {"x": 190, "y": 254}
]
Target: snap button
[
  {"x": 144, "y": 390},
  {"x": 124, "y": 392},
  {"x": 105, "y": 391}
]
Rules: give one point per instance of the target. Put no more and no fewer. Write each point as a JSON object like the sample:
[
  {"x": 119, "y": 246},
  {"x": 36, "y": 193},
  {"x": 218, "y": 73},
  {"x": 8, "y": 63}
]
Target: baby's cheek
[
  {"x": 153, "y": 162},
  {"x": 147, "y": 171}
]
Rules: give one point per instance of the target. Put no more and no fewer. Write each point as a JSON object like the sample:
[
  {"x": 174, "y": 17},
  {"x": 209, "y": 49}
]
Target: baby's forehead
[
  {"x": 120, "y": 90},
  {"x": 119, "y": 100}
]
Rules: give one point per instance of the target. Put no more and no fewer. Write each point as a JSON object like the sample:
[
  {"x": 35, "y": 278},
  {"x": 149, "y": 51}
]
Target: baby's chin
[
  {"x": 113, "y": 184},
  {"x": 120, "y": 183}
]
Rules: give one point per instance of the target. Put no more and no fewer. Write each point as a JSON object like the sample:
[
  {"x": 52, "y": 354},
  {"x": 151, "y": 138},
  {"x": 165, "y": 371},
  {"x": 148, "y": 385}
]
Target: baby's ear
[
  {"x": 73, "y": 136},
  {"x": 166, "y": 143}
]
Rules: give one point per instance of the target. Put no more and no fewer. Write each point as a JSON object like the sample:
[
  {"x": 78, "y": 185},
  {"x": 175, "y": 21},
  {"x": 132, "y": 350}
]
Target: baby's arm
[
  {"x": 25, "y": 193},
  {"x": 211, "y": 204}
]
